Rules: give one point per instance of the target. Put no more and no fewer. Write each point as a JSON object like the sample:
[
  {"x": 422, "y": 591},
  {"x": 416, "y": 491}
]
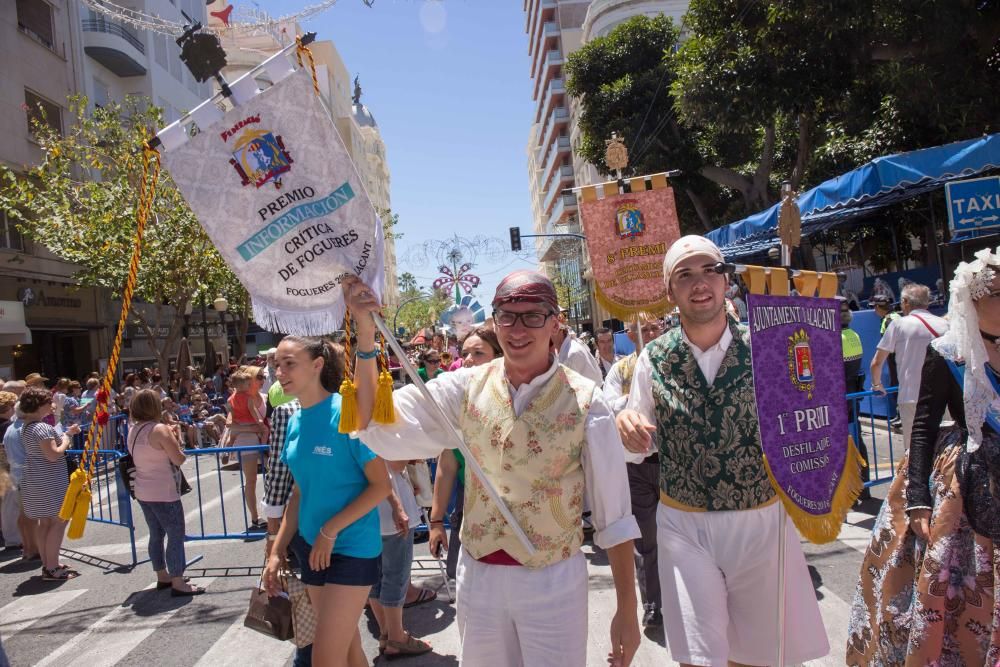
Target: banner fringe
[
  {"x": 657, "y": 308},
  {"x": 314, "y": 323},
  {"x": 820, "y": 529}
]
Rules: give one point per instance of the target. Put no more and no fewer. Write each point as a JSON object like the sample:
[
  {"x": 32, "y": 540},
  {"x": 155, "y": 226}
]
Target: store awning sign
[{"x": 973, "y": 204}]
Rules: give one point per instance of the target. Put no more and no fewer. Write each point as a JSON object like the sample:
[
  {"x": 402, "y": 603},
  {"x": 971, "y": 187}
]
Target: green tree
[
  {"x": 80, "y": 204},
  {"x": 407, "y": 285},
  {"x": 422, "y": 311},
  {"x": 390, "y": 221}
]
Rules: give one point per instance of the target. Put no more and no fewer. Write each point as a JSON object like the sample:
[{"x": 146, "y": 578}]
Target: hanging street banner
[
  {"x": 275, "y": 188},
  {"x": 798, "y": 371},
  {"x": 627, "y": 236}
]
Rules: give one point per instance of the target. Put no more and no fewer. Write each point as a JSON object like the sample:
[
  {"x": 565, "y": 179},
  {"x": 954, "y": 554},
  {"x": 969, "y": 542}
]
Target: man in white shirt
[
  {"x": 718, "y": 519},
  {"x": 605, "y": 355},
  {"x": 908, "y": 337},
  {"x": 575, "y": 355},
  {"x": 517, "y": 608}
]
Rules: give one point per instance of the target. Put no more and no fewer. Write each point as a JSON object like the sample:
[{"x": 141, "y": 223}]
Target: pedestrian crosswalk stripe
[
  {"x": 27, "y": 610},
  {"x": 114, "y": 635},
  {"x": 858, "y": 537},
  {"x": 239, "y": 646}
]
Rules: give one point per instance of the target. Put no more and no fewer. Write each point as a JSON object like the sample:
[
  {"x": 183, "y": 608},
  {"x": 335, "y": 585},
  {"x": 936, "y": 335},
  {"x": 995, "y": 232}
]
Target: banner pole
[
  {"x": 782, "y": 536},
  {"x": 459, "y": 441}
]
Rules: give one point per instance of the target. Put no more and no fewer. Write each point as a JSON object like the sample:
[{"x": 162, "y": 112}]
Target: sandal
[
  {"x": 164, "y": 585},
  {"x": 58, "y": 574},
  {"x": 425, "y": 595},
  {"x": 412, "y": 646},
  {"x": 382, "y": 639}
]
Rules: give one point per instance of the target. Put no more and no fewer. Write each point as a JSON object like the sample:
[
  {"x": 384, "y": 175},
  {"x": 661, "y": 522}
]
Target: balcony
[
  {"x": 552, "y": 59},
  {"x": 542, "y": 13},
  {"x": 551, "y": 248},
  {"x": 555, "y": 186},
  {"x": 558, "y": 117},
  {"x": 115, "y": 47},
  {"x": 565, "y": 205},
  {"x": 556, "y": 88}
]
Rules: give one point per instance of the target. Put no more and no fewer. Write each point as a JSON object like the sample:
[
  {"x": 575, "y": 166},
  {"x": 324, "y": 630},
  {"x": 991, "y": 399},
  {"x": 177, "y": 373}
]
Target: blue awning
[{"x": 879, "y": 183}]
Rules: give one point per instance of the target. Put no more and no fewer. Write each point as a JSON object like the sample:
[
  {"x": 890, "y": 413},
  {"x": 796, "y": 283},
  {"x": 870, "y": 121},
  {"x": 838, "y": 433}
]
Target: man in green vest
[
  {"x": 854, "y": 381},
  {"x": 718, "y": 517}
]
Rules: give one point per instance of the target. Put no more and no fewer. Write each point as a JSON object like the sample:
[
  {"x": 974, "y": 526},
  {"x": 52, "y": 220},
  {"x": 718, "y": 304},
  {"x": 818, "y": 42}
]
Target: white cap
[{"x": 685, "y": 247}]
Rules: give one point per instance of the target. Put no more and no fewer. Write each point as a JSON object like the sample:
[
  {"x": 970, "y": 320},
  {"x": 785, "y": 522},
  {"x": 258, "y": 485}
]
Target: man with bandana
[
  {"x": 545, "y": 438},
  {"x": 717, "y": 521}
]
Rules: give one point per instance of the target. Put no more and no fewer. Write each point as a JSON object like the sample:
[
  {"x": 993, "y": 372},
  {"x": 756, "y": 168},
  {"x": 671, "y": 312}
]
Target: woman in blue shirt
[{"x": 331, "y": 521}]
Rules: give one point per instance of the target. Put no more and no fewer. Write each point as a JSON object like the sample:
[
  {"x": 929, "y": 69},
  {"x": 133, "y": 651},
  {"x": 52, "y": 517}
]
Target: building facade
[{"x": 555, "y": 29}]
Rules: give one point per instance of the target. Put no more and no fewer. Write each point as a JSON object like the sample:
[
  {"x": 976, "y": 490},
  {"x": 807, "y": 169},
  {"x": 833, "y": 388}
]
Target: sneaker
[{"x": 652, "y": 618}]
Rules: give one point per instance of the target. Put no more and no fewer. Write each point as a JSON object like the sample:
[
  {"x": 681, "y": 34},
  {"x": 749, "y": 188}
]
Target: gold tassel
[
  {"x": 79, "y": 519},
  {"x": 385, "y": 411},
  {"x": 348, "y": 407},
  {"x": 76, "y": 481}
]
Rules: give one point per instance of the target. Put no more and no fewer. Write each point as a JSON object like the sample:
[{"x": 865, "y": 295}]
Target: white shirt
[
  {"x": 404, "y": 492},
  {"x": 575, "y": 355},
  {"x": 907, "y": 338},
  {"x": 613, "y": 392},
  {"x": 418, "y": 434},
  {"x": 603, "y": 365},
  {"x": 640, "y": 398}
]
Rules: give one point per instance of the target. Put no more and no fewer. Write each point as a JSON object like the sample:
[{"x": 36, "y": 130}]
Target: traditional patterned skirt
[{"x": 919, "y": 605}]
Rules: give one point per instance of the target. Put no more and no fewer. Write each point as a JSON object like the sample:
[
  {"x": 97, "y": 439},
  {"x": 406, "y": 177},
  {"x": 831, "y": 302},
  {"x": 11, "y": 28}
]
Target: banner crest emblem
[
  {"x": 800, "y": 362},
  {"x": 260, "y": 156}
]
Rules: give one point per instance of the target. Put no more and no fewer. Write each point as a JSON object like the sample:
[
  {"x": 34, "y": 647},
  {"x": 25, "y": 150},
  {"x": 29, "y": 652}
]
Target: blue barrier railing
[
  {"x": 866, "y": 436},
  {"x": 216, "y": 455},
  {"x": 110, "y": 502}
]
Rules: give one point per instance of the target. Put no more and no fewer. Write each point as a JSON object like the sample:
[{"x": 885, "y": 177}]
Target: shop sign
[{"x": 33, "y": 296}]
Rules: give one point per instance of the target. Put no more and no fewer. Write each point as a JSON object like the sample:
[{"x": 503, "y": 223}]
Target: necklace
[{"x": 991, "y": 338}]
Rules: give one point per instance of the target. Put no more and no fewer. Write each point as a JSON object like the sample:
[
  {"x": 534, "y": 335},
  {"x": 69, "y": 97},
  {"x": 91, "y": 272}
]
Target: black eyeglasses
[{"x": 531, "y": 320}]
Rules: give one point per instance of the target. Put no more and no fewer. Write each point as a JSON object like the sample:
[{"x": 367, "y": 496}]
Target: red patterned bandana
[{"x": 526, "y": 285}]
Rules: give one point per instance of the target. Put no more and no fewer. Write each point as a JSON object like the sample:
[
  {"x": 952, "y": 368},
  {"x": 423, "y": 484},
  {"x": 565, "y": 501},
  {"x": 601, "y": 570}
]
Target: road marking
[
  {"x": 114, "y": 635},
  {"x": 27, "y": 610},
  {"x": 858, "y": 537},
  {"x": 240, "y": 646}
]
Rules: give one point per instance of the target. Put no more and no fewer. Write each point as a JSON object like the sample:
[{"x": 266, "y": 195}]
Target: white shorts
[{"x": 719, "y": 581}]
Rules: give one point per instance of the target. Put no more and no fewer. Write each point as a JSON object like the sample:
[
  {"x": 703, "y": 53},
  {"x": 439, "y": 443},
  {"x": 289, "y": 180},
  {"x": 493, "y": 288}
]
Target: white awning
[{"x": 13, "y": 330}]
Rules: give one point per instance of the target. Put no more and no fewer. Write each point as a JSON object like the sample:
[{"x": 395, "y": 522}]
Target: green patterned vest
[{"x": 710, "y": 454}]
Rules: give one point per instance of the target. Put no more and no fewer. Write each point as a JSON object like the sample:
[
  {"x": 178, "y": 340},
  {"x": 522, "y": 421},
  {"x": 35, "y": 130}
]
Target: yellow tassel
[
  {"x": 823, "y": 528},
  {"x": 385, "y": 411},
  {"x": 80, "y": 511},
  {"x": 348, "y": 407},
  {"x": 76, "y": 481}
]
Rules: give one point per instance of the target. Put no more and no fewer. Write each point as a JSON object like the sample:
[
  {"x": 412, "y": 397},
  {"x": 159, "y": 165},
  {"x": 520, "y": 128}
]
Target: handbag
[
  {"x": 183, "y": 487},
  {"x": 126, "y": 464},
  {"x": 304, "y": 619},
  {"x": 270, "y": 616}
]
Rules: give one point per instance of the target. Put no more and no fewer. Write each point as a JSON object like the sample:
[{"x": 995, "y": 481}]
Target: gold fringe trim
[
  {"x": 657, "y": 308},
  {"x": 348, "y": 407},
  {"x": 385, "y": 411},
  {"x": 820, "y": 529},
  {"x": 76, "y": 483},
  {"x": 79, "y": 518}
]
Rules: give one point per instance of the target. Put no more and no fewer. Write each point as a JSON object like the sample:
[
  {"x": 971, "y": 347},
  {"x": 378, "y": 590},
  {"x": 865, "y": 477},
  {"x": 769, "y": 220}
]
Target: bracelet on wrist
[
  {"x": 368, "y": 355},
  {"x": 433, "y": 521},
  {"x": 332, "y": 538}
]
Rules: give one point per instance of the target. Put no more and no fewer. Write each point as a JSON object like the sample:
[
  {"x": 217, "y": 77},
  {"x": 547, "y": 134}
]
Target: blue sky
[{"x": 448, "y": 83}]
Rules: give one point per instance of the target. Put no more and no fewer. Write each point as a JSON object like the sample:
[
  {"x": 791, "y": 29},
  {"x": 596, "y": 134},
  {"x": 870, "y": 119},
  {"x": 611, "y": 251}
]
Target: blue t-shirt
[{"x": 329, "y": 469}]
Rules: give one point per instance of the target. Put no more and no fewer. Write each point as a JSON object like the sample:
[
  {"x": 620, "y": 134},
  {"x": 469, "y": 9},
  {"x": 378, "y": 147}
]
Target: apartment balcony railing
[
  {"x": 555, "y": 88},
  {"x": 114, "y": 46}
]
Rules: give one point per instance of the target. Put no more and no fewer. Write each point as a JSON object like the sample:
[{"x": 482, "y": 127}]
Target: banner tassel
[
  {"x": 76, "y": 481},
  {"x": 79, "y": 518},
  {"x": 385, "y": 411},
  {"x": 820, "y": 529},
  {"x": 348, "y": 389}
]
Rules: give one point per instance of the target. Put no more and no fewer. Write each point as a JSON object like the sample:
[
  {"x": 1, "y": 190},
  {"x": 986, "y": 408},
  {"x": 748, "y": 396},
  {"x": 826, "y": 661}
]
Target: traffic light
[{"x": 515, "y": 239}]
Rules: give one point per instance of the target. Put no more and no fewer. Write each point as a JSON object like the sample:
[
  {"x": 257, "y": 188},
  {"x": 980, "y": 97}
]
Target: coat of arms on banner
[
  {"x": 628, "y": 220},
  {"x": 800, "y": 362},
  {"x": 259, "y": 157}
]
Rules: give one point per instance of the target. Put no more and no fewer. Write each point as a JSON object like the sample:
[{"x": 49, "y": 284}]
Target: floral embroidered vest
[
  {"x": 533, "y": 461},
  {"x": 710, "y": 453}
]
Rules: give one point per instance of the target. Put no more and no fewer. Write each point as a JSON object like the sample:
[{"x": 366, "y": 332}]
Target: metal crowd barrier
[
  {"x": 863, "y": 430},
  {"x": 214, "y": 468},
  {"x": 110, "y": 502}
]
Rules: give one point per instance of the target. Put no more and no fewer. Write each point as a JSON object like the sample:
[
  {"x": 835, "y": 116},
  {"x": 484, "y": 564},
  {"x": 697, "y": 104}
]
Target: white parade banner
[{"x": 274, "y": 187}]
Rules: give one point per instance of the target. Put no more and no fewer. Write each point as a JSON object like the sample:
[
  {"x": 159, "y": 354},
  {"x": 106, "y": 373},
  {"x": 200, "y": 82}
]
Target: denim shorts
[
  {"x": 397, "y": 557},
  {"x": 342, "y": 570}
]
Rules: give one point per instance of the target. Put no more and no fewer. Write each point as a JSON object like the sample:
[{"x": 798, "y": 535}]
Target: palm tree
[{"x": 407, "y": 283}]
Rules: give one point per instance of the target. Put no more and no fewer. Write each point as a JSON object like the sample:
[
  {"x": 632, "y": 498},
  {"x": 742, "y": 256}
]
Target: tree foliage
[
  {"x": 80, "y": 203},
  {"x": 766, "y": 91},
  {"x": 420, "y": 307}
]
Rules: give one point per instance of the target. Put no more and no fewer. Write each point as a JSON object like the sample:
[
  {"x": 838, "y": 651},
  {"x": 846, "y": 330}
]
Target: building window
[
  {"x": 43, "y": 111},
  {"x": 34, "y": 18},
  {"x": 10, "y": 238}
]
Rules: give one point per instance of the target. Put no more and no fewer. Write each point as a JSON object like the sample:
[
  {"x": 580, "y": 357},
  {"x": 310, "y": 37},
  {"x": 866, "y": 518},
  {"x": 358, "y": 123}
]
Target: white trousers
[
  {"x": 907, "y": 412},
  {"x": 719, "y": 581},
  {"x": 10, "y": 510},
  {"x": 511, "y": 616}
]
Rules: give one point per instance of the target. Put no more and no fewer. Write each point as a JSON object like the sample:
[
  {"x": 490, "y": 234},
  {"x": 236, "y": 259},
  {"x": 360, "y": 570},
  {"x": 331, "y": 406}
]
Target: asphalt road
[{"x": 111, "y": 616}]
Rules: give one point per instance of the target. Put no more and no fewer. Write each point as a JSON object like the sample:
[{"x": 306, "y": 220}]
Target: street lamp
[{"x": 222, "y": 305}]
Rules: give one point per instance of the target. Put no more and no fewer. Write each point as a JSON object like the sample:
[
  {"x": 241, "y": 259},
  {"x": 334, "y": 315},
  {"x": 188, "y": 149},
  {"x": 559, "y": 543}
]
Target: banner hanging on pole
[
  {"x": 627, "y": 237},
  {"x": 798, "y": 371},
  {"x": 275, "y": 189}
]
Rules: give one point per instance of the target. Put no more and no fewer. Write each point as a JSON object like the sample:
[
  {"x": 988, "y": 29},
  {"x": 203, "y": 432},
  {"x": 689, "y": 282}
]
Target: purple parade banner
[{"x": 798, "y": 370}]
